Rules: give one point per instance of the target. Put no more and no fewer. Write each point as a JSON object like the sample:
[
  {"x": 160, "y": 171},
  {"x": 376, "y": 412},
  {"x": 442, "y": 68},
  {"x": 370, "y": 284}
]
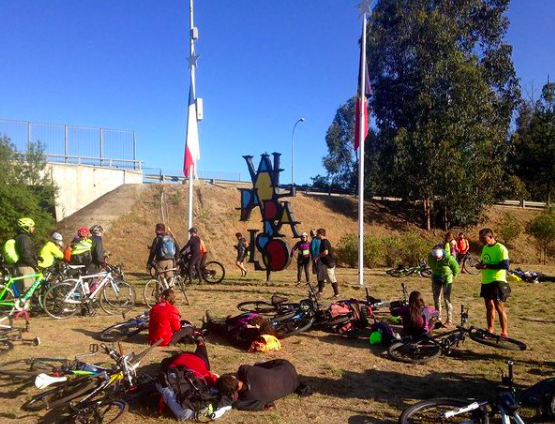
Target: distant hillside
[{"x": 131, "y": 212}]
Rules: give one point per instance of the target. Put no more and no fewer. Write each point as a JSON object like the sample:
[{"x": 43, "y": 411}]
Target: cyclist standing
[
  {"x": 26, "y": 251},
  {"x": 81, "y": 247},
  {"x": 52, "y": 250},
  {"x": 450, "y": 244},
  {"x": 445, "y": 269},
  {"x": 463, "y": 246},
  {"x": 241, "y": 248},
  {"x": 163, "y": 251},
  {"x": 326, "y": 267},
  {"x": 314, "y": 251},
  {"x": 193, "y": 248},
  {"x": 495, "y": 290},
  {"x": 98, "y": 254},
  {"x": 303, "y": 258}
]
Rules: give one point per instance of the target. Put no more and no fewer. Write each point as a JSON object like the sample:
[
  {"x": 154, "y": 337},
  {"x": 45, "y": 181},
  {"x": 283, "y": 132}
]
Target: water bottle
[{"x": 86, "y": 287}]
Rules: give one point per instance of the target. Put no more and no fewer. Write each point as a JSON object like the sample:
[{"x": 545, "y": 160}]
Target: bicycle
[
  {"x": 212, "y": 272},
  {"x": 467, "y": 411},
  {"x": 404, "y": 271},
  {"x": 154, "y": 288},
  {"x": 124, "y": 330},
  {"x": 468, "y": 263},
  {"x": 33, "y": 367},
  {"x": 11, "y": 300},
  {"x": 84, "y": 395},
  {"x": 65, "y": 299},
  {"x": 426, "y": 348},
  {"x": 10, "y": 334}
]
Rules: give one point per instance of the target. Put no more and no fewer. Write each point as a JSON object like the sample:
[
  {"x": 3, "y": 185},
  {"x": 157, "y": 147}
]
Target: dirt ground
[{"x": 353, "y": 382}]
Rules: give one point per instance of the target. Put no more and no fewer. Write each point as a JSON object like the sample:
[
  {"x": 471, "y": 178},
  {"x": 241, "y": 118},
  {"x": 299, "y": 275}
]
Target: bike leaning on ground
[
  {"x": 107, "y": 288},
  {"x": 450, "y": 410},
  {"x": 124, "y": 330},
  {"x": 404, "y": 271}
]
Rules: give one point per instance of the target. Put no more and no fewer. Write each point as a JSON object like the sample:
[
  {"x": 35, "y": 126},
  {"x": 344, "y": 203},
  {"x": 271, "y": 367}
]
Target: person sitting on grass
[
  {"x": 165, "y": 322},
  {"x": 418, "y": 319},
  {"x": 250, "y": 331}
]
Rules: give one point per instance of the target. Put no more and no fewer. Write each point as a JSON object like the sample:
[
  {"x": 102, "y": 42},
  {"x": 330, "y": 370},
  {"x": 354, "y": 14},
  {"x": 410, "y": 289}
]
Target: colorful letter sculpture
[{"x": 265, "y": 194}]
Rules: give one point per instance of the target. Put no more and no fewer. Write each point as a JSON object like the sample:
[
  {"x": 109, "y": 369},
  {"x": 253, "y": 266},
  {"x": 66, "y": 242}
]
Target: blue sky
[{"x": 263, "y": 65}]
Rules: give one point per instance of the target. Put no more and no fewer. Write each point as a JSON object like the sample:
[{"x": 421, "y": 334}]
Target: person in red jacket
[{"x": 165, "y": 322}]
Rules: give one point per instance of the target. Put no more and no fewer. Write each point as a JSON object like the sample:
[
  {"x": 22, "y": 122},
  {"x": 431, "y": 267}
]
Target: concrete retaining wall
[{"x": 79, "y": 185}]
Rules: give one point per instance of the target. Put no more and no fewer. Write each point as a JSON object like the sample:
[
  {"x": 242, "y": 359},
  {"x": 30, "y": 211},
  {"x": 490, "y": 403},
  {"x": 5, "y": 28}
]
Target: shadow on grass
[{"x": 397, "y": 388}]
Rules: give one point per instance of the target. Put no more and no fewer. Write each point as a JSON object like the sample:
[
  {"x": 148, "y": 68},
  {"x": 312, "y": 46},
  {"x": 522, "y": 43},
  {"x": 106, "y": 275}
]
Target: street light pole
[{"x": 293, "y": 151}]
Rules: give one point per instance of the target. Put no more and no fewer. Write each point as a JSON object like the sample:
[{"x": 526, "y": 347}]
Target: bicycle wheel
[
  {"x": 152, "y": 292},
  {"x": 7, "y": 303},
  {"x": 433, "y": 412},
  {"x": 31, "y": 367},
  {"x": 117, "y": 297},
  {"x": 418, "y": 352},
  {"x": 121, "y": 331},
  {"x": 259, "y": 306},
  {"x": 178, "y": 280},
  {"x": 425, "y": 272},
  {"x": 469, "y": 265},
  {"x": 63, "y": 300},
  {"x": 486, "y": 338},
  {"x": 213, "y": 272},
  {"x": 291, "y": 324},
  {"x": 60, "y": 395},
  {"x": 99, "y": 413},
  {"x": 396, "y": 273}
]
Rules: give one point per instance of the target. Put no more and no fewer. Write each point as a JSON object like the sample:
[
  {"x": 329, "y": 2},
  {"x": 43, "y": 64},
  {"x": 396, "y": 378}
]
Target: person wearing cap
[
  {"x": 98, "y": 254},
  {"x": 194, "y": 250},
  {"x": 445, "y": 269},
  {"x": 26, "y": 251},
  {"x": 303, "y": 257},
  {"x": 51, "y": 251},
  {"x": 81, "y": 247},
  {"x": 163, "y": 251}
]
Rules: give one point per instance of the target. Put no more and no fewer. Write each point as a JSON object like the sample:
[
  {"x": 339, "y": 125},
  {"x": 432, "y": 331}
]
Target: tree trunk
[
  {"x": 427, "y": 213},
  {"x": 548, "y": 194}
]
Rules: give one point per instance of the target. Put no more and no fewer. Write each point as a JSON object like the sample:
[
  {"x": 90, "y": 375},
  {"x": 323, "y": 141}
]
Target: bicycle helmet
[
  {"x": 304, "y": 234},
  {"x": 83, "y": 231},
  {"x": 57, "y": 237},
  {"x": 26, "y": 224},
  {"x": 193, "y": 229},
  {"x": 96, "y": 229},
  {"x": 437, "y": 253}
]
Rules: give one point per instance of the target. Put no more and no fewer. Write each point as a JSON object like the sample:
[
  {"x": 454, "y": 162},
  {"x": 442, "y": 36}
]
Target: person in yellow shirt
[
  {"x": 51, "y": 251},
  {"x": 495, "y": 290}
]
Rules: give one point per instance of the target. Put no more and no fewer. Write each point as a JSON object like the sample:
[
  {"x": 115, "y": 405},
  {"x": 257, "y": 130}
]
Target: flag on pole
[
  {"x": 362, "y": 101},
  {"x": 192, "y": 147}
]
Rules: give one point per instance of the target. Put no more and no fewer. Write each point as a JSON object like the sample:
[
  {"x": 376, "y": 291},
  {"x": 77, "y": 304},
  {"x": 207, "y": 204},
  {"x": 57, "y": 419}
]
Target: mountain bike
[
  {"x": 56, "y": 367},
  {"x": 468, "y": 411},
  {"x": 154, "y": 288},
  {"x": 468, "y": 263},
  {"x": 108, "y": 288},
  {"x": 404, "y": 271},
  {"x": 85, "y": 396},
  {"x": 11, "y": 300},
  {"x": 212, "y": 272},
  {"x": 426, "y": 348},
  {"x": 124, "y": 330}
]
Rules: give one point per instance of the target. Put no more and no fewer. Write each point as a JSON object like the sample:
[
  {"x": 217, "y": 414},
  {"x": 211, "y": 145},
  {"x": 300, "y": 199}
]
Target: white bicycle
[
  {"x": 154, "y": 288},
  {"x": 107, "y": 288}
]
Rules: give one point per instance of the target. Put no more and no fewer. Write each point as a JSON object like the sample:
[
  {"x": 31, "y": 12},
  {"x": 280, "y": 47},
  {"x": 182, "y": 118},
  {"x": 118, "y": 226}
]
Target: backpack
[
  {"x": 191, "y": 392},
  {"x": 67, "y": 254},
  {"x": 202, "y": 247},
  {"x": 9, "y": 252},
  {"x": 166, "y": 248}
]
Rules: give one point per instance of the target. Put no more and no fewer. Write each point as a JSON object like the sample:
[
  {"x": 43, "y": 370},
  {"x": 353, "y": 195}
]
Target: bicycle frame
[
  {"x": 39, "y": 280},
  {"x": 106, "y": 279}
]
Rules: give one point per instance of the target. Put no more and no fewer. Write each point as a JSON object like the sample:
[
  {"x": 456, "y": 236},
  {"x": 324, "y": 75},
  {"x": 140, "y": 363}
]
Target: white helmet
[
  {"x": 437, "y": 252},
  {"x": 304, "y": 234},
  {"x": 57, "y": 237}
]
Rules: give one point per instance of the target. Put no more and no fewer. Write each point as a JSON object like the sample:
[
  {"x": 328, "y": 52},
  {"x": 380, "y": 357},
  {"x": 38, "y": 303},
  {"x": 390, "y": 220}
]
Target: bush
[
  {"x": 415, "y": 248},
  {"x": 373, "y": 251},
  {"x": 542, "y": 228},
  {"x": 393, "y": 248},
  {"x": 509, "y": 228},
  {"x": 347, "y": 251}
]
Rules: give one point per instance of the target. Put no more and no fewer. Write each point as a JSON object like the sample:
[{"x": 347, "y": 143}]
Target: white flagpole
[
  {"x": 361, "y": 157},
  {"x": 192, "y": 169}
]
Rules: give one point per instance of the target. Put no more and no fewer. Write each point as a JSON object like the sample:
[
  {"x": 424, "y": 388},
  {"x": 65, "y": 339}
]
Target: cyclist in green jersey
[
  {"x": 495, "y": 290},
  {"x": 51, "y": 251}
]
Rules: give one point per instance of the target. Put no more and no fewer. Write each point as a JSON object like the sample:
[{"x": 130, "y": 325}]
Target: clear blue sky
[{"x": 263, "y": 65}]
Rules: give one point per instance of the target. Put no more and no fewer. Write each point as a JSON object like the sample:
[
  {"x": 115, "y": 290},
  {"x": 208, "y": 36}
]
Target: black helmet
[{"x": 193, "y": 229}]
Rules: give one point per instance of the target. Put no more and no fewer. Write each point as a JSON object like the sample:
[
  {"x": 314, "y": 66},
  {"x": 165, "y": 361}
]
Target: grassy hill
[{"x": 130, "y": 213}]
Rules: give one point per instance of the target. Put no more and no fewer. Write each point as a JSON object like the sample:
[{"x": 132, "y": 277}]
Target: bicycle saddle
[
  {"x": 76, "y": 266},
  {"x": 277, "y": 299}
]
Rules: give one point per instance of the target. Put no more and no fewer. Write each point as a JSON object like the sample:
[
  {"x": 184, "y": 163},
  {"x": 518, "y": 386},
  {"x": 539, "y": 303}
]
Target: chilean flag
[
  {"x": 192, "y": 147},
  {"x": 362, "y": 102}
]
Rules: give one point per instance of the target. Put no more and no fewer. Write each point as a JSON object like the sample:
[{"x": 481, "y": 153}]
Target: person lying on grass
[
  {"x": 418, "y": 319},
  {"x": 250, "y": 331}
]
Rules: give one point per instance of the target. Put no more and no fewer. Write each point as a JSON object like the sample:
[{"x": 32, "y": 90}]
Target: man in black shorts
[
  {"x": 326, "y": 268},
  {"x": 193, "y": 248},
  {"x": 495, "y": 289}
]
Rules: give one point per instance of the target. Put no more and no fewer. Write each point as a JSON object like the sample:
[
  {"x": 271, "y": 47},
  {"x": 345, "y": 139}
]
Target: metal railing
[
  {"x": 152, "y": 175},
  {"x": 75, "y": 144}
]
